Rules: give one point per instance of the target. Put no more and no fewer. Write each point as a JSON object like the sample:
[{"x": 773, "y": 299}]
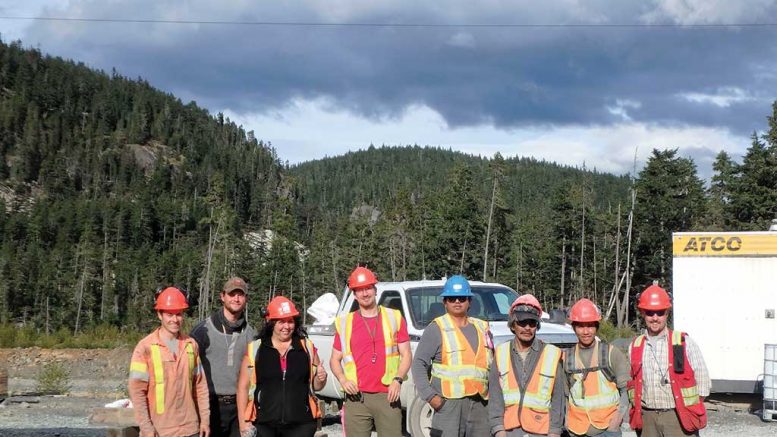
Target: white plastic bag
[{"x": 324, "y": 309}]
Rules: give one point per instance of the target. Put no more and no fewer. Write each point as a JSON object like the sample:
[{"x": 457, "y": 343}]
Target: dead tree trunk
[
  {"x": 488, "y": 231},
  {"x": 563, "y": 268}
]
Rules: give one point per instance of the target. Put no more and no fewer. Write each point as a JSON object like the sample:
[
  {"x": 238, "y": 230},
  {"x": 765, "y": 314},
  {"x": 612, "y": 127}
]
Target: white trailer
[{"x": 725, "y": 297}]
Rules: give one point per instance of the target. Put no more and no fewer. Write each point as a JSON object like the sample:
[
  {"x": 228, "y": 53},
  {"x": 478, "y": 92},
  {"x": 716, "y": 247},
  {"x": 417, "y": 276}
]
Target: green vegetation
[
  {"x": 109, "y": 187},
  {"x": 94, "y": 337},
  {"x": 609, "y": 332},
  {"x": 53, "y": 379}
]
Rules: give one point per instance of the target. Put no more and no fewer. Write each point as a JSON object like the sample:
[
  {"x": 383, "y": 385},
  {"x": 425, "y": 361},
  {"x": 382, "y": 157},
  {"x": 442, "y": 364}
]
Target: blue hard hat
[{"x": 456, "y": 286}]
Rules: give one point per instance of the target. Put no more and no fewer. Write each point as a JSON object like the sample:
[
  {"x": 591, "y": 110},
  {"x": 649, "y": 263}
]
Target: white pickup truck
[{"x": 420, "y": 303}]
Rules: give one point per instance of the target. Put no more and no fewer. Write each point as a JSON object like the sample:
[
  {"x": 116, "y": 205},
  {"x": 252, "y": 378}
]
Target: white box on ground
[{"x": 724, "y": 288}]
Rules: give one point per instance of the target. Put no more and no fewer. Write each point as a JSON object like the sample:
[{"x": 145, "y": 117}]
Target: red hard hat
[
  {"x": 171, "y": 299},
  {"x": 527, "y": 299},
  {"x": 654, "y": 298},
  {"x": 361, "y": 277},
  {"x": 584, "y": 311},
  {"x": 280, "y": 308}
]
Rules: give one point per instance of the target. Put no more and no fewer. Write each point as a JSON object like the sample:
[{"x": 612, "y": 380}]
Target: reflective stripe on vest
[
  {"x": 531, "y": 414},
  {"x": 690, "y": 410},
  {"x": 462, "y": 371},
  {"x": 251, "y": 350},
  {"x": 159, "y": 374},
  {"x": 593, "y": 399},
  {"x": 390, "y": 320}
]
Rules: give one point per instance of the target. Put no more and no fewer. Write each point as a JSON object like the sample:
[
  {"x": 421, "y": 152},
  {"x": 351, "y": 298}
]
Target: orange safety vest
[
  {"x": 158, "y": 369},
  {"x": 462, "y": 371},
  {"x": 593, "y": 398},
  {"x": 390, "y": 320},
  {"x": 253, "y": 349},
  {"x": 689, "y": 407},
  {"x": 530, "y": 409}
]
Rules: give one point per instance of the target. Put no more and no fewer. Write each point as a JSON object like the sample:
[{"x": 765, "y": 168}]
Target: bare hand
[
  {"x": 436, "y": 402},
  {"x": 615, "y": 423},
  {"x": 248, "y": 431},
  {"x": 321, "y": 373},
  {"x": 393, "y": 391},
  {"x": 554, "y": 435},
  {"x": 204, "y": 430},
  {"x": 350, "y": 387}
]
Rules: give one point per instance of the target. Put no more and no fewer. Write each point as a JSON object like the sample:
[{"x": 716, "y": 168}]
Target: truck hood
[{"x": 559, "y": 335}]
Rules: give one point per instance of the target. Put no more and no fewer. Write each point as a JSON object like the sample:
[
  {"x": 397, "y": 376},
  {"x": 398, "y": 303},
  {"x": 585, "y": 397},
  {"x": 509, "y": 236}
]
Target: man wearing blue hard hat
[{"x": 451, "y": 364}]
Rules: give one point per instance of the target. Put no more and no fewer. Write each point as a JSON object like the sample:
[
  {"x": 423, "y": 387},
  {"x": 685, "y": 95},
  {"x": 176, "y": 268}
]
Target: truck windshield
[{"x": 489, "y": 303}]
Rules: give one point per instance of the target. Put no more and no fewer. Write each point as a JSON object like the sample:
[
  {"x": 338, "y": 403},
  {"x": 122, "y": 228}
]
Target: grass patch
[
  {"x": 53, "y": 379},
  {"x": 96, "y": 337}
]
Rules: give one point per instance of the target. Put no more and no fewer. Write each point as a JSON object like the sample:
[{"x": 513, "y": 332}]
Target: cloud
[
  {"x": 505, "y": 79},
  {"x": 621, "y": 107},
  {"x": 723, "y": 98},
  {"x": 710, "y": 11},
  {"x": 463, "y": 40},
  {"x": 311, "y": 129}
]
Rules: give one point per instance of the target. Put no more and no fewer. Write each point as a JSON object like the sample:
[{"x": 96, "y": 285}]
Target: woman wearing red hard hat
[{"x": 278, "y": 376}]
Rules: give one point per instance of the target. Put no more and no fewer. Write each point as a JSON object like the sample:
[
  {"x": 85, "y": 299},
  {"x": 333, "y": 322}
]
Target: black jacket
[{"x": 282, "y": 400}]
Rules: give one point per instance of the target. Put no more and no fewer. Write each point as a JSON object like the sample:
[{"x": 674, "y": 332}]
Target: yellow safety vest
[
  {"x": 390, "y": 320},
  {"x": 593, "y": 399},
  {"x": 251, "y": 350},
  {"x": 462, "y": 371},
  {"x": 159, "y": 372},
  {"x": 530, "y": 411}
]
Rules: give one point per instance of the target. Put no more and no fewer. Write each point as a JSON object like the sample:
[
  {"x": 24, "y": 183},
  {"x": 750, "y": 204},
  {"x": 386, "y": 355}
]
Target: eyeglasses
[
  {"x": 659, "y": 313},
  {"x": 460, "y": 299},
  {"x": 528, "y": 322}
]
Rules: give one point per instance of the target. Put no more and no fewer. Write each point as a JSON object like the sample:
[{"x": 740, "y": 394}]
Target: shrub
[
  {"x": 53, "y": 378},
  {"x": 608, "y": 332},
  {"x": 98, "y": 336}
]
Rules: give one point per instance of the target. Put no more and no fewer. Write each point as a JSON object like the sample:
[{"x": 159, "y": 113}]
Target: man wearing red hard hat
[
  {"x": 525, "y": 382},
  {"x": 596, "y": 376},
  {"x": 370, "y": 359},
  {"x": 669, "y": 379},
  {"x": 167, "y": 385}
]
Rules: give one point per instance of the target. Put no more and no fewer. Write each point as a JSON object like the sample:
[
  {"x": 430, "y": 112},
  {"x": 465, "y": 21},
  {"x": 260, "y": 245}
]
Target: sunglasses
[
  {"x": 530, "y": 323},
  {"x": 460, "y": 299},
  {"x": 659, "y": 313}
]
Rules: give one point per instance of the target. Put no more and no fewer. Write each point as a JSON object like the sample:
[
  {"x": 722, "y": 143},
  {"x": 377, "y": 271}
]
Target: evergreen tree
[{"x": 670, "y": 198}]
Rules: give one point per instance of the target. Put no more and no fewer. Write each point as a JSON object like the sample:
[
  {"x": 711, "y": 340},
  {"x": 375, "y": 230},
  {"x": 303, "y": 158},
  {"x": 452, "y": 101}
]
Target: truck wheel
[{"x": 420, "y": 418}]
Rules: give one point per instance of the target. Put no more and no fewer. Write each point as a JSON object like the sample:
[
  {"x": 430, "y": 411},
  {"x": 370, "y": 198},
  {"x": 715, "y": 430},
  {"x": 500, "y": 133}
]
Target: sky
[{"x": 589, "y": 83}]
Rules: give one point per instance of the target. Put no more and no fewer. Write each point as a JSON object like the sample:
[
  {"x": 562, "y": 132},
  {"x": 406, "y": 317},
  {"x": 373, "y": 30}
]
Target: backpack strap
[{"x": 605, "y": 349}]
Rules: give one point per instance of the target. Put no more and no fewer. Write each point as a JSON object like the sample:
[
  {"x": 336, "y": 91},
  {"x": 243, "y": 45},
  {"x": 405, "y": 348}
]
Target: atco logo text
[{"x": 716, "y": 244}]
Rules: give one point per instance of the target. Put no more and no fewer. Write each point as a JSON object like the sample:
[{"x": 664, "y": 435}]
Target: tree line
[{"x": 109, "y": 187}]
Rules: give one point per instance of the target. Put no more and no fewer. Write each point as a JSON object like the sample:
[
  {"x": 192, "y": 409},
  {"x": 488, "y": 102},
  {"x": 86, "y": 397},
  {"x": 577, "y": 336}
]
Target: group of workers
[{"x": 226, "y": 379}]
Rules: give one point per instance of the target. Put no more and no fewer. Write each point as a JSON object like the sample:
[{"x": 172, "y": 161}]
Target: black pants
[
  {"x": 223, "y": 417},
  {"x": 307, "y": 429}
]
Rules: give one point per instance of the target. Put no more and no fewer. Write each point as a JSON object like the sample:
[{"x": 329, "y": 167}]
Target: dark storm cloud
[{"x": 507, "y": 77}]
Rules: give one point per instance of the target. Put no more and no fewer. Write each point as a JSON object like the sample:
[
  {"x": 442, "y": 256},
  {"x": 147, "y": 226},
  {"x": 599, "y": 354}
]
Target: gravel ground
[{"x": 66, "y": 416}]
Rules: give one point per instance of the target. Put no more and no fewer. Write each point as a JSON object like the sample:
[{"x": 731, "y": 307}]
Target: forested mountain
[
  {"x": 377, "y": 174},
  {"x": 109, "y": 188}
]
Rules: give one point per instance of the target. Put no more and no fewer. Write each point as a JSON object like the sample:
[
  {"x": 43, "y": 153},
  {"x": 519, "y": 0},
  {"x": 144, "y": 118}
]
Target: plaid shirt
[{"x": 655, "y": 370}]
